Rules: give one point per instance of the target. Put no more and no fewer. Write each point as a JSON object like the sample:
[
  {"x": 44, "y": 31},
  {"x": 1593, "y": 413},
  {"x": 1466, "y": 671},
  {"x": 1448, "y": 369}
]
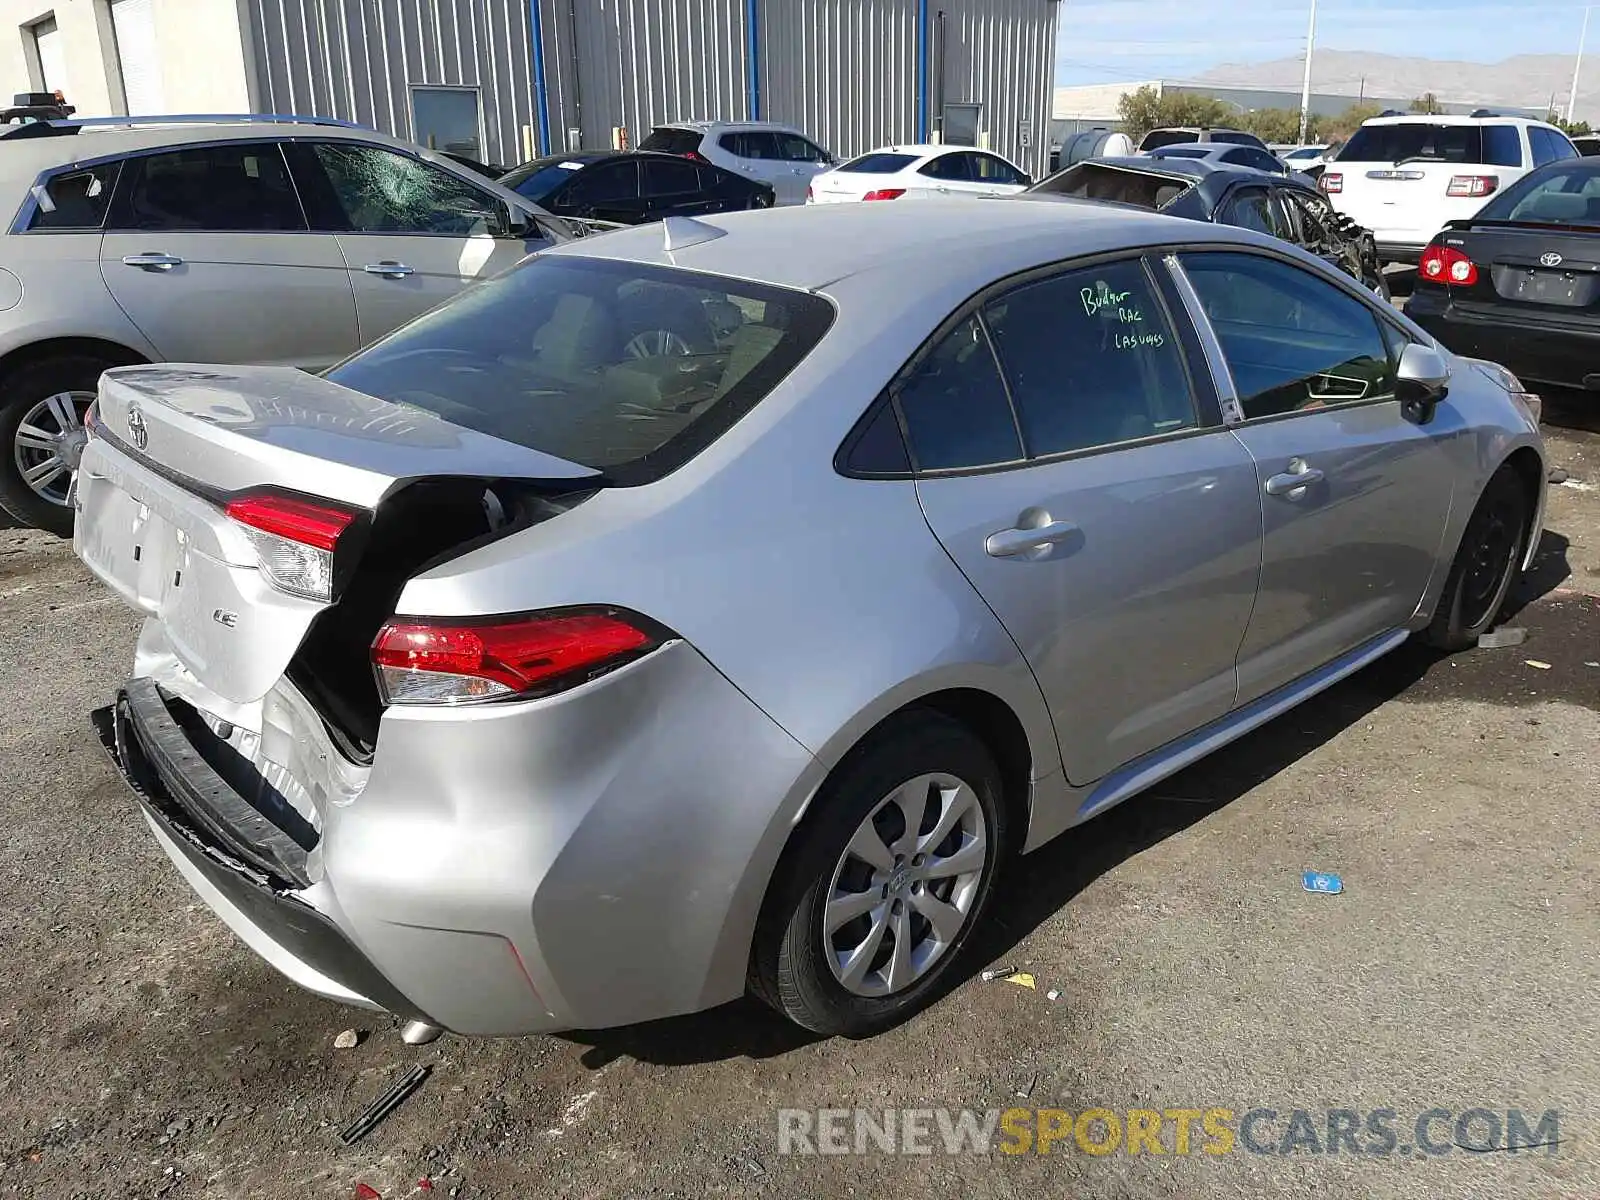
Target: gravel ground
[{"x": 146, "y": 1053}]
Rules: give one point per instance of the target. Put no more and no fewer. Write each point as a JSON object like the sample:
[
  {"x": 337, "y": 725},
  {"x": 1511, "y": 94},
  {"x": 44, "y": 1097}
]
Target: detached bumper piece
[{"x": 252, "y": 862}]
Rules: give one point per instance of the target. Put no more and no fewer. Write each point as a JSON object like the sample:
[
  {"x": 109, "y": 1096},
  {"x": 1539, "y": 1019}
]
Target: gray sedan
[{"x": 721, "y": 606}]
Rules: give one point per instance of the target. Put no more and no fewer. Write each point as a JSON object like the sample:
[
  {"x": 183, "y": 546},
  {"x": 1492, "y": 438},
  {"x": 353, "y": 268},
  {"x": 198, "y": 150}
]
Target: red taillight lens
[
  {"x": 1448, "y": 266},
  {"x": 91, "y": 419},
  {"x": 1331, "y": 183},
  {"x": 885, "y": 194},
  {"x": 1472, "y": 185},
  {"x": 810, "y": 192},
  {"x": 696, "y": 156},
  {"x": 465, "y": 661},
  {"x": 294, "y": 538}
]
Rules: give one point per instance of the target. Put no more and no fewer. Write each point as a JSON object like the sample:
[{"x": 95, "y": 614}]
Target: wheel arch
[
  {"x": 25, "y": 356},
  {"x": 1530, "y": 469}
]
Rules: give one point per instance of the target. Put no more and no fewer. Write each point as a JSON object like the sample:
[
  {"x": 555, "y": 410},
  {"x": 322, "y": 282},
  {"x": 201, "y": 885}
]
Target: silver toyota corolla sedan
[{"x": 721, "y": 606}]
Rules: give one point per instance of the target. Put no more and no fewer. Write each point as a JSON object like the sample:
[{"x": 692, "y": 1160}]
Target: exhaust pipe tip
[{"x": 419, "y": 1033}]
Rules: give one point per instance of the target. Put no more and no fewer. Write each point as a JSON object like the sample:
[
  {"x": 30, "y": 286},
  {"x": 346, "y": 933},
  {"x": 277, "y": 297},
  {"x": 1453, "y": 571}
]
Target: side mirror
[{"x": 1422, "y": 380}]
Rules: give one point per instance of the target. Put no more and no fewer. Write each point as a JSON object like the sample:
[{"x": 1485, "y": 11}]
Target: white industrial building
[{"x": 501, "y": 80}]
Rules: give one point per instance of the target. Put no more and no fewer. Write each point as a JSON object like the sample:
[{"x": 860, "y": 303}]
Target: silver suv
[{"x": 242, "y": 240}]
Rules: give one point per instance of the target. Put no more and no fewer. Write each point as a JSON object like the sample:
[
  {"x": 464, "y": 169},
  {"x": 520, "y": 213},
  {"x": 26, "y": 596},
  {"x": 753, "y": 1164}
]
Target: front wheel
[
  {"x": 869, "y": 914},
  {"x": 42, "y": 406},
  {"x": 1485, "y": 566}
]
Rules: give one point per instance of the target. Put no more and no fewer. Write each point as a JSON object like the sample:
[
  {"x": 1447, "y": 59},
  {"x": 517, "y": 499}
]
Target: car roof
[
  {"x": 21, "y": 159},
  {"x": 709, "y": 126},
  {"x": 1451, "y": 119},
  {"x": 1208, "y": 147},
  {"x": 1211, "y": 179},
  {"x": 970, "y": 243}
]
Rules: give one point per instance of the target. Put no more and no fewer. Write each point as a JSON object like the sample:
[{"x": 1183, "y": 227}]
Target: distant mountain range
[{"x": 1525, "y": 81}]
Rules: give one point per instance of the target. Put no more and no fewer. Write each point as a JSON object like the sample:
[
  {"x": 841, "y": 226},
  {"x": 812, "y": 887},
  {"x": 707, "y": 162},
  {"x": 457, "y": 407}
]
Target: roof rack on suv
[{"x": 68, "y": 128}]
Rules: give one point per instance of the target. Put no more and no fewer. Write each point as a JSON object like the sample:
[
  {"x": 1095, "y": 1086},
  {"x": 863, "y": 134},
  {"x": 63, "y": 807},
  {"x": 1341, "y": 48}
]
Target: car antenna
[{"x": 683, "y": 232}]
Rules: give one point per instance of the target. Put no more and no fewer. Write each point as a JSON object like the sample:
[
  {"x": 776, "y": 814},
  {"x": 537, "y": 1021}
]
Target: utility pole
[
  {"x": 1305, "y": 90},
  {"x": 1572, "y": 100}
]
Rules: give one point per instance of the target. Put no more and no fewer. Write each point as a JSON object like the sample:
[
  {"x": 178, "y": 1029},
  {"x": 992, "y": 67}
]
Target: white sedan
[{"x": 918, "y": 173}]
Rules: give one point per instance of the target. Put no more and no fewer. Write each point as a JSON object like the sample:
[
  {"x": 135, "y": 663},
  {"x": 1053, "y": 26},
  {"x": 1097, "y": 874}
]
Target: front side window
[
  {"x": 794, "y": 148},
  {"x": 624, "y": 367},
  {"x": 955, "y": 407},
  {"x": 74, "y": 200},
  {"x": 1292, "y": 341},
  {"x": 1090, "y": 360},
  {"x": 1253, "y": 208},
  {"x": 238, "y": 186},
  {"x": 986, "y": 168},
  {"x": 379, "y": 191},
  {"x": 1315, "y": 218}
]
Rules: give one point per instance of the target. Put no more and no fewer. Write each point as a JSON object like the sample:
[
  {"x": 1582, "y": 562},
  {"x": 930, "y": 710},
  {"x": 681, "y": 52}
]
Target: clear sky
[{"x": 1108, "y": 41}]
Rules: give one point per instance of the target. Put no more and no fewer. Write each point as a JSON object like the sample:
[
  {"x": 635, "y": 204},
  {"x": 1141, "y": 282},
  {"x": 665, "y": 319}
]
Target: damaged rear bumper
[{"x": 246, "y": 868}]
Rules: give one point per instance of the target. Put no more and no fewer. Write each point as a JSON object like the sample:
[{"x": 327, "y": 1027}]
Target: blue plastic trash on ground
[{"x": 1322, "y": 881}]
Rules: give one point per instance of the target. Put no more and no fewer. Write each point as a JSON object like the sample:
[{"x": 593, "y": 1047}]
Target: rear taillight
[
  {"x": 885, "y": 194},
  {"x": 696, "y": 156},
  {"x": 91, "y": 419},
  {"x": 294, "y": 538},
  {"x": 1472, "y": 185},
  {"x": 810, "y": 193},
  {"x": 1331, "y": 183},
  {"x": 461, "y": 661},
  {"x": 1447, "y": 265}
]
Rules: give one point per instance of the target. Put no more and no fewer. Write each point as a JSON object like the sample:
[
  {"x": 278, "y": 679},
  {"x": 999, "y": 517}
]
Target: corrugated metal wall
[
  {"x": 358, "y": 59},
  {"x": 846, "y": 71}
]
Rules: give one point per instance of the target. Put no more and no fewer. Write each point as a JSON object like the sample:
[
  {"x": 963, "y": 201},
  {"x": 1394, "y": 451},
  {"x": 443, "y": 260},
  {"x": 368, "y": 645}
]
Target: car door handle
[
  {"x": 1008, "y": 543},
  {"x": 1296, "y": 479},
  {"x": 152, "y": 260},
  {"x": 389, "y": 269}
]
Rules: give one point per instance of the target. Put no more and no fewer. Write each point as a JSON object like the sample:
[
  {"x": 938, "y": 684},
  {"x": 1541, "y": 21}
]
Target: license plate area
[{"x": 1534, "y": 285}]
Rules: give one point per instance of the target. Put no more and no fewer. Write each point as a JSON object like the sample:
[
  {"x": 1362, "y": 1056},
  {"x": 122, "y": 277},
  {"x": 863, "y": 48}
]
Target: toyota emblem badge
[
  {"x": 136, "y": 429},
  {"x": 1550, "y": 259}
]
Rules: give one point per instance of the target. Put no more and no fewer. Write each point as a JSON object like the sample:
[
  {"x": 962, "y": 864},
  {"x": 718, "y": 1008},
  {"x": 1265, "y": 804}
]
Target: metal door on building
[
  {"x": 961, "y": 124},
  {"x": 52, "y": 57}
]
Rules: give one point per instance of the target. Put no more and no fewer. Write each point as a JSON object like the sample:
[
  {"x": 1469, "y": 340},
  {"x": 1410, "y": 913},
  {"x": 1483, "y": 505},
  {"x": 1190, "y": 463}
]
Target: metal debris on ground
[
  {"x": 1053, "y": 994},
  {"x": 1322, "y": 882},
  {"x": 384, "y": 1105},
  {"x": 348, "y": 1040},
  {"x": 1501, "y": 639},
  {"x": 1537, "y": 665},
  {"x": 997, "y": 973},
  {"x": 1024, "y": 1093}
]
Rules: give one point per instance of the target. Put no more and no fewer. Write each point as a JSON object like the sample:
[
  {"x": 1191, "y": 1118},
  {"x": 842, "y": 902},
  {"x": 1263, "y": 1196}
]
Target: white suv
[
  {"x": 224, "y": 240},
  {"x": 1404, "y": 177},
  {"x": 777, "y": 155}
]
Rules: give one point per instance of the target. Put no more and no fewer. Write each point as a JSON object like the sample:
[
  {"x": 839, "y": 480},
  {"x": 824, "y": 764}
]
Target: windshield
[
  {"x": 538, "y": 179},
  {"x": 1568, "y": 195},
  {"x": 625, "y": 368},
  {"x": 1427, "y": 141},
  {"x": 879, "y": 164}
]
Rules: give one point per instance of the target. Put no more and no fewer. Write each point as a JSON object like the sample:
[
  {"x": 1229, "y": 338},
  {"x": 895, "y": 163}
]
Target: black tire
[
  {"x": 789, "y": 967},
  {"x": 1486, "y": 565},
  {"x": 19, "y": 393}
]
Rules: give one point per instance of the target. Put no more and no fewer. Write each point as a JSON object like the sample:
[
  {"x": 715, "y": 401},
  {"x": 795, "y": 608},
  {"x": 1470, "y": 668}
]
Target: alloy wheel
[
  {"x": 904, "y": 887},
  {"x": 49, "y": 442}
]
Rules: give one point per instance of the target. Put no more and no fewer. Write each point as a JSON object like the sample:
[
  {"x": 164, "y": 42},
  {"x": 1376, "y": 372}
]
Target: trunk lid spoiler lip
[{"x": 293, "y": 423}]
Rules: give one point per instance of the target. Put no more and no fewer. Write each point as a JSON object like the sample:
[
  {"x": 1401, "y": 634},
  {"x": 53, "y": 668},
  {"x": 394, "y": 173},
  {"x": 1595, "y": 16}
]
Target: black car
[
  {"x": 1519, "y": 283},
  {"x": 1200, "y": 190},
  {"x": 632, "y": 187}
]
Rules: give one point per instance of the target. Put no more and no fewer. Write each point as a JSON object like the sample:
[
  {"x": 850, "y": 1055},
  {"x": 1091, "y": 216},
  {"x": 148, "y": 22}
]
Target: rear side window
[
  {"x": 955, "y": 406},
  {"x": 1090, "y": 360},
  {"x": 240, "y": 186},
  {"x": 627, "y": 368},
  {"x": 879, "y": 164},
  {"x": 673, "y": 141},
  {"x": 1428, "y": 141},
  {"x": 986, "y": 168},
  {"x": 663, "y": 177},
  {"x": 607, "y": 183},
  {"x": 947, "y": 166},
  {"x": 75, "y": 200}
]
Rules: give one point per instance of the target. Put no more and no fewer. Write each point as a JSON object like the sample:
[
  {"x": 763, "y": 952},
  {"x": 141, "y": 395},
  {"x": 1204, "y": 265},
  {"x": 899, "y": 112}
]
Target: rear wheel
[
  {"x": 42, "y": 406},
  {"x": 1486, "y": 565},
  {"x": 875, "y": 902}
]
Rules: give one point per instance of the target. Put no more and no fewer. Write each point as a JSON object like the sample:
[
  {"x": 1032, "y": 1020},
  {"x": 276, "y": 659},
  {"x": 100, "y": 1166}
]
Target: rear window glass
[
  {"x": 879, "y": 164},
  {"x": 1565, "y": 195},
  {"x": 625, "y": 368},
  {"x": 76, "y": 200},
  {"x": 1094, "y": 181},
  {"x": 1182, "y": 152},
  {"x": 1425, "y": 141},
  {"x": 672, "y": 141}
]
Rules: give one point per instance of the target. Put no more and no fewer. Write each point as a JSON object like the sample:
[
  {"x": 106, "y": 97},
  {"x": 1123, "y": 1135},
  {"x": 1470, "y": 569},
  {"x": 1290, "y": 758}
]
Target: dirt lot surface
[{"x": 144, "y": 1052}]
